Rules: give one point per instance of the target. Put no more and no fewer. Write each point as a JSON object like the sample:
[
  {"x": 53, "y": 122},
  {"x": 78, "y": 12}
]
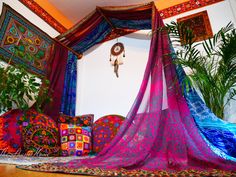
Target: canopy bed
[{"x": 186, "y": 137}]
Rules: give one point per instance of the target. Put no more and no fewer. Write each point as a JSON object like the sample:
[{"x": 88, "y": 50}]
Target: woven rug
[
  {"x": 126, "y": 173},
  {"x": 24, "y": 160},
  {"x": 22, "y": 43}
]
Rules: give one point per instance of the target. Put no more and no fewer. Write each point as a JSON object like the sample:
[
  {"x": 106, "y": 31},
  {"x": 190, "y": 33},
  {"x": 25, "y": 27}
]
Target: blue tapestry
[
  {"x": 94, "y": 37},
  {"x": 69, "y": 92},
  {"x": 132, "y": 24},
  {"x": 22, "y": 43}
]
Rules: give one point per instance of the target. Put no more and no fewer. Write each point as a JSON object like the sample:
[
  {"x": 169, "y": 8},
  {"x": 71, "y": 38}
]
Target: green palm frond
[{"x": 213, "y": 69}]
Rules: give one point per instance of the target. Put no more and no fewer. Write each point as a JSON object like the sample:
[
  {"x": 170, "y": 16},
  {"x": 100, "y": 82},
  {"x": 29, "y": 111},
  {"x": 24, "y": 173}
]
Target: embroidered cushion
[
  {"x": 40, "y": 140},
  {"x": 40, "y": 135},
  {"x": 75, "y": 140},
  {"x": 83, "y": 120},
  {"x": 33, "y": 117},
  {"x": 104, "y": 130},
  {"x": 10, "y": 132}
]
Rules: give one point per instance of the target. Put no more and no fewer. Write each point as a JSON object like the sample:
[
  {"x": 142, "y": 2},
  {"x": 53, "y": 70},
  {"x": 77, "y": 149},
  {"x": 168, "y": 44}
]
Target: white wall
[
  {"x": 232, "y": 4},
  {"x": 101, "y": 93}
]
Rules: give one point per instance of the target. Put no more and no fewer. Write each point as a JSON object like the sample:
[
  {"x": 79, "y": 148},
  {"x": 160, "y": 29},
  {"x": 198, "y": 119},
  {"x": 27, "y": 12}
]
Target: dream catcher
[{"x": 116, "y": 56}]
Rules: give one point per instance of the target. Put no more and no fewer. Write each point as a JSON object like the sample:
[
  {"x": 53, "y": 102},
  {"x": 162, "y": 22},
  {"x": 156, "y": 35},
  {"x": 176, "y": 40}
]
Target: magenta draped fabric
[
  {"x": 56, "y": 68},
  {"x": 154, "y": 137}
]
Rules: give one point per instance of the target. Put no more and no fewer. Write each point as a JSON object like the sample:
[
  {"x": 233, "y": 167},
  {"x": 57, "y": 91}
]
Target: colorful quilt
[{"x": 22, "y": 43}]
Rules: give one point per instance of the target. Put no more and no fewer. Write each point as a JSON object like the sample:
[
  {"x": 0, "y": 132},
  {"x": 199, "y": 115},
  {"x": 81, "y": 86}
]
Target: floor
[{"x": 12, "y": 171}]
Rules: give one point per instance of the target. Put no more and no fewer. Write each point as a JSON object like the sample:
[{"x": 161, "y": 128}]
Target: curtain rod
[{"x": 79, "y": 55}]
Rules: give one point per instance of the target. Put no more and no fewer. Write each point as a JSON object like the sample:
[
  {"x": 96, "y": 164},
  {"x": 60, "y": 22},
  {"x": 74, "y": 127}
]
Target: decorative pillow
[
  {"x": 83, "y": 120},
  {"x": 40, "y": 140},
  {"x": 104, "y": 130},
  {"x": 10, "y": 131},
  {"x": 15, "y": 127},
  {"x": 34, "y": 117},
  {"x": 40, "y": 134},
  {"x": 75, "y": 140}
]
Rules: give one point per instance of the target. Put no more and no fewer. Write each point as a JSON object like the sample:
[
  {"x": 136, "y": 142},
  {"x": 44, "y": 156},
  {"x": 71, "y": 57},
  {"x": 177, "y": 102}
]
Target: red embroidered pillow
[
  {"x": 75, "y": 140},
  {"x": 104, "y": 130},
  {"x": 40, "y": 135},
  {"x": 10, "y": 131},
  {"x": 40, "y": 140},
  {"x": 33, "y": 117}
]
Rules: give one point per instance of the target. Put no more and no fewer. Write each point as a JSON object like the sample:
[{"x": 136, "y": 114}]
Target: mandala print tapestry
[{"x": 22, "y": 43}]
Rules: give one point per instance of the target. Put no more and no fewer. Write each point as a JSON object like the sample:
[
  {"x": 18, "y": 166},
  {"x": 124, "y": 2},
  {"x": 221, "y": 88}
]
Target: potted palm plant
[{"x": 211, "y": 63}]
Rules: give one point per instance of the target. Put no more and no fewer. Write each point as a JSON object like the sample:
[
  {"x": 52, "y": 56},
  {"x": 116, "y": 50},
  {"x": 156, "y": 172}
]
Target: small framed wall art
[{"x": 199, "y": 23}]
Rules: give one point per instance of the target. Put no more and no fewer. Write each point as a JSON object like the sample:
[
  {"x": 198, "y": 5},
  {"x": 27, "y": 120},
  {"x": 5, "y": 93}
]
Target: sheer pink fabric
[{"x": 152, "y": 138}]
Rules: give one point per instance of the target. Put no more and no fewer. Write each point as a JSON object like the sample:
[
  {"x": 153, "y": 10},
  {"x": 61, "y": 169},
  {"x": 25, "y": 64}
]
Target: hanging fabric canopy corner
[{"x": 145, "y": 140}]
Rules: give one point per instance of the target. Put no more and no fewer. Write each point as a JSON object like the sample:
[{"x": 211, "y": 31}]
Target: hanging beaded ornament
[{"x": 116, "y": 57}]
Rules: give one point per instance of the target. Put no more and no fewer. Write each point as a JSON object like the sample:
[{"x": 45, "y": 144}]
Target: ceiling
[
  {"x": 63, "y": 14},
  {"x": 75, "y": 10}
]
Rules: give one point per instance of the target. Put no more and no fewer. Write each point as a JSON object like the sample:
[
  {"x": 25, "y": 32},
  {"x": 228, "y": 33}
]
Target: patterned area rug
[
  {"x": 126, "y": 173},
  {"x": 24, "y": 160}
]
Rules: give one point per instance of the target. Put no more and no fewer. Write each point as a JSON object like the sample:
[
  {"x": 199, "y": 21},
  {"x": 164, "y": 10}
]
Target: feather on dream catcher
[{"x": 116, "y": 56}]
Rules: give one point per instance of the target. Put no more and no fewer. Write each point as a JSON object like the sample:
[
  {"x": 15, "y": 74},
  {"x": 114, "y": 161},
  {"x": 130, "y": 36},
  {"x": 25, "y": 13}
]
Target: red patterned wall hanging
[
  {"x": 185, "y": 7},
  {"x": 33, "y": 6}
]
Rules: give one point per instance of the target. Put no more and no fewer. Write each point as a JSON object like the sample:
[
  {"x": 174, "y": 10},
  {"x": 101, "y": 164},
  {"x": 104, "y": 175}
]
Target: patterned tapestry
[
  {"x": 185, "y": 7},
  {"x": 22, "y": 43},
  {"x": 200, "y": 24}
]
